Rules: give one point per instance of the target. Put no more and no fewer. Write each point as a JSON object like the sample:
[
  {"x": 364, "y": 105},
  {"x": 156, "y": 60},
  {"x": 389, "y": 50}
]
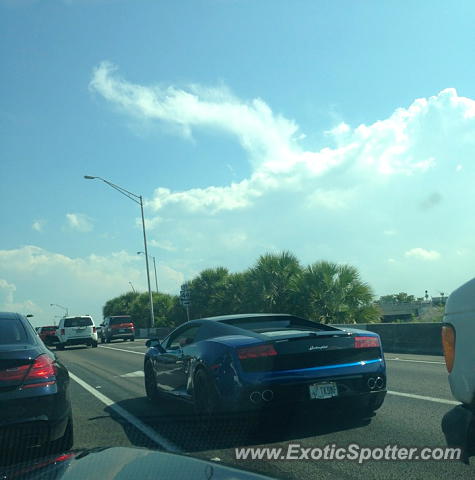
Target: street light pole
[
  {"x": 60, "y": 306},
  {"x": 137, "y": 199},
  {"x": 154, "y": 268}
]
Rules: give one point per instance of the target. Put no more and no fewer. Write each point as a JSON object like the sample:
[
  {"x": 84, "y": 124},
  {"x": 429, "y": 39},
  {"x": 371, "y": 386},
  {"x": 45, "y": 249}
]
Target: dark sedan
[
  {"x": 257, "y": 361},
  {"x": 35, "y": 408}
]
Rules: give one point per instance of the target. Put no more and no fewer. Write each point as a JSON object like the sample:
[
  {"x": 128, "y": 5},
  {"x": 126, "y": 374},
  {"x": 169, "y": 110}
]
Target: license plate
[
  {"x": 323, "y": 390},
  {"x": 122, "y": 330},
  {"x": 79, "y": 330}
]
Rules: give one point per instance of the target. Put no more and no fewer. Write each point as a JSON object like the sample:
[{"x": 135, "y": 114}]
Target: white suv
[{"x": 76, "y": 331}]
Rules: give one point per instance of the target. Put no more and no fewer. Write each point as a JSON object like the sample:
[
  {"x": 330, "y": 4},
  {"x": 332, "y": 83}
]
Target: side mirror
[
  {"x": 29, "y": 315},
  {"x": 154, "y": 343}
]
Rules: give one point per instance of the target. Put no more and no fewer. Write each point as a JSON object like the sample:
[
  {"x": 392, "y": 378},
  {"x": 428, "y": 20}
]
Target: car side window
[{"x": 182, "y": 338}]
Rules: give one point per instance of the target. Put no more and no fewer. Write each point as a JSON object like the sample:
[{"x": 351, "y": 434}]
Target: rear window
[
  {"x": 117, "y": 320},
  {"x": 48, "y": 329},
  {"x": 78, "y": 322},
  {"x": 12, "y": 331}
]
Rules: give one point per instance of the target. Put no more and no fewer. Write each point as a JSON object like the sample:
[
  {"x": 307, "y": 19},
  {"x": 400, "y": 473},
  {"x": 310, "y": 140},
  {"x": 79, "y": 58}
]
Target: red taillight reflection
[
  {"x": 256, "y": 352},
  {"x": 366, "y": 342},
  {"x": 93, "y": 329},
  {"x": 41, "y": 374}
]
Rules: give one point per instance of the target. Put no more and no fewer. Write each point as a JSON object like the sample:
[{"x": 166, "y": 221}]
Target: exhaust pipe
[
  {"x": 379, "y": 382},
  {"x": 267, "y": 395},
  {"x": 371, "y": 383},
  {"x": 255, "y": 397}
]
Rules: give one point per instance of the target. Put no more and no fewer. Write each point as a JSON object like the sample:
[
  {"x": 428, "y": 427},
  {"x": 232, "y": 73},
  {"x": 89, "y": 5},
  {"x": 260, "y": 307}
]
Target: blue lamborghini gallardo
[{"x": 248, "y": 362}]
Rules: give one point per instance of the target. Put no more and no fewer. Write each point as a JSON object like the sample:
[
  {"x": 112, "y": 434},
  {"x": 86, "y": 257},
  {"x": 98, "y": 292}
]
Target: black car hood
[{"x": 121, "y": 463}]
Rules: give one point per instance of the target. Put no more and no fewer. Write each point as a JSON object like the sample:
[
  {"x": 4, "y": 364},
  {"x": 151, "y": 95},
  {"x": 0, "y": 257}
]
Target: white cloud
[
  {"x": 164, "y": 245},
  {"x": 79, "y": 222},
  {"x": 38, "y": 225},
  {"x": 422, "y": 254},
  {"x": 358, "y": 199},
  {"x": 386, "y": 148},
  {"x": 8, "y": 303},
  {"x": 82, "y": 284}
]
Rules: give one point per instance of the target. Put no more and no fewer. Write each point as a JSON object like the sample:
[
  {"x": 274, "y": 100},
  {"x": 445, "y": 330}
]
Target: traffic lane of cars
[{"x": 402, "y": 421}]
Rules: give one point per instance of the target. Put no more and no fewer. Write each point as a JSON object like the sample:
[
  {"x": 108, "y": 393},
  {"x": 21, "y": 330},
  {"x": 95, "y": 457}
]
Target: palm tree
[
  {"x": 272, "y": 280},
  {"x": 332, "y": 293}
]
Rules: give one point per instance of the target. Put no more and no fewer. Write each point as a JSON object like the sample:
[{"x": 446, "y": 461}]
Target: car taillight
[
  {"x": 256, "y": 352},
  {"x": 93, "y": 329},
  {"x": 14, "y": 374},
  {"x": 42, "y": 373},
  {"x": 63, "y": 331},
  {"x": 366, "y": 342},
  {"x": 448, "y": 346}
]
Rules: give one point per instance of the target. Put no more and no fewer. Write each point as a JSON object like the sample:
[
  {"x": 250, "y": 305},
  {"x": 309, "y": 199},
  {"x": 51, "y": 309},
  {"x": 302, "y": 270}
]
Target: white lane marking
[
  {"x": 138, "y": 424},
  {"x": 415, "y": 361},
  {"x": 123, "y": 350},
  {"x": 422, "y": 397},
  {"x": 138, "y": 373}
]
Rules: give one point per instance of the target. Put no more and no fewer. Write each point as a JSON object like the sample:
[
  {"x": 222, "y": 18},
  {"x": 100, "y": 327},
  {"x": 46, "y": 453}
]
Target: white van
[
  {"x": 76, "y": 331},
  {"x": 458, "y": 341}
]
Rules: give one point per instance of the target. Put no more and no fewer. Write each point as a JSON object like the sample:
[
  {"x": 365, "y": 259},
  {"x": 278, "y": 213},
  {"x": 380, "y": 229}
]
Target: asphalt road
[{"x": 110, "y": 409}]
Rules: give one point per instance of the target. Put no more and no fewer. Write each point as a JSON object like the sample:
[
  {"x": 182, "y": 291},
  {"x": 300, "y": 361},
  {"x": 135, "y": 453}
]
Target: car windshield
[
  {"x": 77, "y": 322},
  {"x": 242, "y": 226}
]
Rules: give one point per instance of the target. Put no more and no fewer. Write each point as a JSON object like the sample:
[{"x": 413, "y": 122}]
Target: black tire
[
  {"x": 124, "y": 339},
  {"x": 102, "y": 340},
  {"x": 108, "y": 340},
  {"x": 132, "y": 339},
  {"x": 205, "y": 399},
  {"x": 64, "y": 443},
  {"x": 94, "y": 344},
  {"x": 150, "y": 383},
  {"x": 59, "y": 346}
]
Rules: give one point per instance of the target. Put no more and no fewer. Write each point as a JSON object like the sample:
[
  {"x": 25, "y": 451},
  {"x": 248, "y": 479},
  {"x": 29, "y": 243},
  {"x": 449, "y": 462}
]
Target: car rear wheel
[
  {"x": 103, "y": 340},
  {"x": 94, "y": 344},
  {"x": 132, "y": 339},
  {"x": 60, "y": 346},
  {"x": 205, "y": 399},
  {"x": 150, "y": 383}
]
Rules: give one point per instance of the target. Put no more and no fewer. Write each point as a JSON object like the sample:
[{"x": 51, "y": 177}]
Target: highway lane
[{"x": 114, "y": 370}]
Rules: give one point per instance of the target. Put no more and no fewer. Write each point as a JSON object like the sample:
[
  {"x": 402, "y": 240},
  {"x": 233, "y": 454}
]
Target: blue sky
[{"x": 337, "y": 130}]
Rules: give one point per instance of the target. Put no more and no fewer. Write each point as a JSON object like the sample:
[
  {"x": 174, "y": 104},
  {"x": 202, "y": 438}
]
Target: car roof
[
  {"x": 222, "y": 318},
  {"x": 9, "y": 315}
]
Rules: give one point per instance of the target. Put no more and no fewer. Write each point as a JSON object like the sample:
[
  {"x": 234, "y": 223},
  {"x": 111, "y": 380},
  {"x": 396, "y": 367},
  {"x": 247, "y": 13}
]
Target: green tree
[
  {"x": 332, "y": 293},
  {"x": 272, "y": 282},
  {"x": 208, "y": 292}
]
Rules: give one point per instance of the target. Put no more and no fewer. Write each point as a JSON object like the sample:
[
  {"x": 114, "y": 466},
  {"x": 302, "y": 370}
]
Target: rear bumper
[
  {"x": 79, "y": 341},
  {"x": 117, "y": 336},
  {"x": 34, "y": 420},
  {"x": 257, "y": 397}
]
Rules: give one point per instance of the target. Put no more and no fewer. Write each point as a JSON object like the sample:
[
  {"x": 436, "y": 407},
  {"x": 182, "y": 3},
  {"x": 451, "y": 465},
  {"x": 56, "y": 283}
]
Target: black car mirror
[{"x": 155, "y": 343}]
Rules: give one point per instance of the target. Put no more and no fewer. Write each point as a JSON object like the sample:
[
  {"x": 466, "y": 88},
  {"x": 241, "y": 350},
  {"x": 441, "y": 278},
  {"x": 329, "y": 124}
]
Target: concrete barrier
[
  {"x": 419, "y": 338},
  {"x": 160, "y": 332}
]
